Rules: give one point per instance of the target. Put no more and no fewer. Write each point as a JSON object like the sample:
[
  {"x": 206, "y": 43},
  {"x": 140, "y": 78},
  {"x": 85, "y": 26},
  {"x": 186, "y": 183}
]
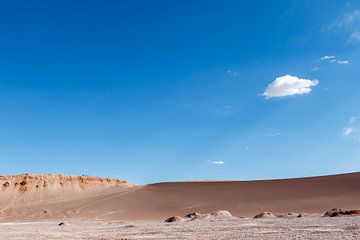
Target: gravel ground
[{"x": 244, "y": 228}]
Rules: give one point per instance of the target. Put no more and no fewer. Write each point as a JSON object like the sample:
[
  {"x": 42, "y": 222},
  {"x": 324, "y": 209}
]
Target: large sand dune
[{"x": 36, "y": 197}]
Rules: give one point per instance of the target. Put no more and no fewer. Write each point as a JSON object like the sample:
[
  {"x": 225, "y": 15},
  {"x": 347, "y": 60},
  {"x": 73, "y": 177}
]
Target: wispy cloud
[
  {"x": 315, "y": 69},
  {"x": 349, "y": 25},
  {"x": 225, "y": 110},
  {"x": 353, "y": 128},
  {"x": 272, "y": 134},
  {"x": 348, "y": 131},
  {"x": 353, "y": 119},
  {"x": 355, "y": 37},
  {"x": 288, "y": 85}
]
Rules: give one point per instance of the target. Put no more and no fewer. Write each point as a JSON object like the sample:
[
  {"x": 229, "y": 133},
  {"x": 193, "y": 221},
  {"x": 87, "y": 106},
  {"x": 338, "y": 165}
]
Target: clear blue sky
[{"x": 151, "y": 91}]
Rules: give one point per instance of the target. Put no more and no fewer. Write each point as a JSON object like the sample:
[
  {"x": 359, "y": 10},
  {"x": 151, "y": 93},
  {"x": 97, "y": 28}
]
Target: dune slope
[{"x": 114, "y": 199}]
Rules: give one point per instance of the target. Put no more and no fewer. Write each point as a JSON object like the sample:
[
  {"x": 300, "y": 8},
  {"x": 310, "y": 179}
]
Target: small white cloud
[
  {"x": 331, "y": 59},
  {"x": 217, "y": 162},
  {"x": 247, "y": 148},
  {"x": 327, "y": 58},
  {"x": 288, "y": 85},
  {"x": 348, "y": 131},
  {"x": 343, "y": 62},
  {"x": 232, "y": 73}
]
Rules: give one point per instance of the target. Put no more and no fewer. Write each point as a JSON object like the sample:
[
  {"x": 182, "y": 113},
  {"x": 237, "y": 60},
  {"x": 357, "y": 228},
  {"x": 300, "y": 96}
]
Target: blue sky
[{"x": 151, "y": 91}]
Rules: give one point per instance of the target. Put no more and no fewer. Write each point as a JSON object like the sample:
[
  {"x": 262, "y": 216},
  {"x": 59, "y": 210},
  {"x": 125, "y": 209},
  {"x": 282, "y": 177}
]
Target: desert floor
[{"x": 240, "y": 228}]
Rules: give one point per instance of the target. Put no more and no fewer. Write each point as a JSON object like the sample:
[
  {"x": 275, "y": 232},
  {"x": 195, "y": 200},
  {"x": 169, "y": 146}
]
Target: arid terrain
[
  {"x": 33, "y": 206},
  {"x": 343, "y": 228}
]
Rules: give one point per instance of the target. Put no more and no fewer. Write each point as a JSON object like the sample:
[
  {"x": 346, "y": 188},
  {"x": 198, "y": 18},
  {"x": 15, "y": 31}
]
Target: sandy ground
[{"x": 240, "y": 228}]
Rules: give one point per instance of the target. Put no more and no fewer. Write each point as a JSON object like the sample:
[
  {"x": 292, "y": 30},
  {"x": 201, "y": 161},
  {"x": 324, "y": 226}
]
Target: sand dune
[{"x": 73, "y": 197}]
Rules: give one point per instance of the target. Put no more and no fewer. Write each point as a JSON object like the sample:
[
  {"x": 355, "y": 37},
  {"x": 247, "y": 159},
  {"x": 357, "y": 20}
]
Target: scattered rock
[
  {"x": 265, "y": 215},
  {"x": 337, "y": 212},
  {"x": 130, "y": 226},
  {"x": 174, "y": 219}
]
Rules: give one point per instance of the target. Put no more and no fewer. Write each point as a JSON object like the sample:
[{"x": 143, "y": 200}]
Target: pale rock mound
[
  {"x": 265, "y": 215},
  {"x": 222, "y": 214}
]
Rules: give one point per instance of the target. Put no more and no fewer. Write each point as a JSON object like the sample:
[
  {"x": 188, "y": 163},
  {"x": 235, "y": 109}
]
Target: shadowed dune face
[{"x": 158, "y": 201}]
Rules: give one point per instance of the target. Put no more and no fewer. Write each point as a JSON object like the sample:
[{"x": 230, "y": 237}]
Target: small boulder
[
  {"x": 173, "y": 219},
  {"x": 265, "y": 215}
]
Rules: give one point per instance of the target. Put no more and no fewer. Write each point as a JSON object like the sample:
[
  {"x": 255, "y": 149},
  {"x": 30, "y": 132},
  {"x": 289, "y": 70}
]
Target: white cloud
[
  {"x": 288, "y": 85},
  {"x": 218, "y": 162}
]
